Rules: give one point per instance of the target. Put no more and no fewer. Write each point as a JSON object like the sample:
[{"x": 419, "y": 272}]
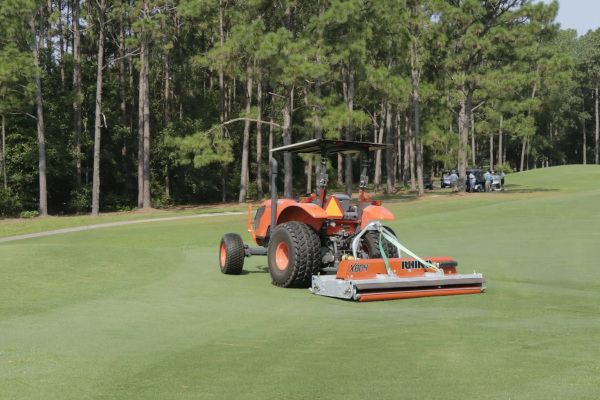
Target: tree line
[{"x": 124, "y": 104}]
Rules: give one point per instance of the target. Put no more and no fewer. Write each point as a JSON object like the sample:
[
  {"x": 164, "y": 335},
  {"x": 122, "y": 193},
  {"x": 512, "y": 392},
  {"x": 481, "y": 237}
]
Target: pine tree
[
  {"x": 36, "y": 30},
  {"x": 479, "y": 32},
  {"x": 98, "y": 117},
  {"x": 16, "y": 70}
]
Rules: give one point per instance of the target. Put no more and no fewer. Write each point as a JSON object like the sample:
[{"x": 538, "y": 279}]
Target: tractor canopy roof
[{"x": 329, "y": 146}]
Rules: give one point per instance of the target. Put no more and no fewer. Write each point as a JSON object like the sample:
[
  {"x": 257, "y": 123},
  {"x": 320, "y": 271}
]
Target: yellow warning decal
[{"x": 333, "y": 208}]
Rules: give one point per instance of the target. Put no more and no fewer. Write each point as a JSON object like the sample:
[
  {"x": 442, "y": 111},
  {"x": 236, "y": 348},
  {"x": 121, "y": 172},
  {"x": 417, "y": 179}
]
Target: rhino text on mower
[{"x": 336, "y": 248}]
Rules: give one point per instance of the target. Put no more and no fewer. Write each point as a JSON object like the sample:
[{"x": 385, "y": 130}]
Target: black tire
[
  {"x": 231, "y": 254},
  {"x": 370, "y": 245},
  {"x": 294, "y": 255}
]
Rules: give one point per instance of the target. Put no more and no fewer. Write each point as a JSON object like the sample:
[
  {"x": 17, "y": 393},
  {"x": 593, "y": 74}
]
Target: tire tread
[
  {"x": 307, "y": 250},
  {"x": 234, "y": 250}
]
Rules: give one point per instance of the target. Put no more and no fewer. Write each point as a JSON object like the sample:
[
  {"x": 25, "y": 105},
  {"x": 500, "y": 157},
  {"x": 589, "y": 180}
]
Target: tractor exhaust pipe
[{"x": 273, "y": 168}]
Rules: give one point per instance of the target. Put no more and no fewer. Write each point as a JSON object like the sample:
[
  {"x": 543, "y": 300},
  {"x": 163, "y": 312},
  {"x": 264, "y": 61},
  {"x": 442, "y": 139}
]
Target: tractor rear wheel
[
  {"x": 294, "y": 255},
  {"x": 231, "y": 254},
  {"x": 371, "y": 245}
]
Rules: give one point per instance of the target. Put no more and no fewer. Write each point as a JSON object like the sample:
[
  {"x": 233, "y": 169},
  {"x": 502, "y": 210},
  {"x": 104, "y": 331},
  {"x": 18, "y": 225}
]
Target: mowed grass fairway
[{"x": 143, "y": 312}]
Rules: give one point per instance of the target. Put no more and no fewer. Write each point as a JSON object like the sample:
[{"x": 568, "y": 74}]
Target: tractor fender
[
  {"x": 308, "y": 213},
  {"x": 371, "y": 213},
  {"x": 287, "y": 210}
]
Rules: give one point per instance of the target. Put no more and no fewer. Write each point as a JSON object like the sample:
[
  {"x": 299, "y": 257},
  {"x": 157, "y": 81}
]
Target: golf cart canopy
[{"x": 329, "y": 146}]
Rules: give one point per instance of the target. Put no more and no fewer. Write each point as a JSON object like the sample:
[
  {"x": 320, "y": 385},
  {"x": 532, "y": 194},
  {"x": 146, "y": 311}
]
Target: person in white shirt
[
  {"x": 472, "y": 181},
  {"x": 502, "y": 175}
]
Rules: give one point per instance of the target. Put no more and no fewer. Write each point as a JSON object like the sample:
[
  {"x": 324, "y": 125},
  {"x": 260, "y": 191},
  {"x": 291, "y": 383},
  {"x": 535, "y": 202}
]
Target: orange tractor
[{"x": 336, "y": 248}]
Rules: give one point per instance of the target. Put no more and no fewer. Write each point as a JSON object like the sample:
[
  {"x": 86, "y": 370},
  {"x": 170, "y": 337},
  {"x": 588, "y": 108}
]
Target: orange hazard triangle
[{"x": 333, "y": 208}]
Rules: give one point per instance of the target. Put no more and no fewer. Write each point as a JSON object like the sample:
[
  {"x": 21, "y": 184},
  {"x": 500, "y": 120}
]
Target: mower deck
[{"x": 368, "y": 280}]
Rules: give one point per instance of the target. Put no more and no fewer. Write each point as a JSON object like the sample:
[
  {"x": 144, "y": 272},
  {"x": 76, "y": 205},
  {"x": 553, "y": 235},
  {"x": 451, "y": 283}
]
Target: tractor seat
[
  {"x": 344, "y": 200},
  {"x": 349, "y": 210}
]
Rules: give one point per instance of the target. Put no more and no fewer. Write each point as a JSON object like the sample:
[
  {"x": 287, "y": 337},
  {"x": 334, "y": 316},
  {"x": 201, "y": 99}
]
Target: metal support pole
[
  {"x": 364, "y": 179},
  {"x": 273, "y": 171},
  {"x": 323, "y": 179}
]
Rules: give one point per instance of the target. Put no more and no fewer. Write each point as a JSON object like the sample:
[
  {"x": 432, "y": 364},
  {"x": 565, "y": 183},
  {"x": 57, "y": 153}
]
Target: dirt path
[{"x": 82, "y": 228}]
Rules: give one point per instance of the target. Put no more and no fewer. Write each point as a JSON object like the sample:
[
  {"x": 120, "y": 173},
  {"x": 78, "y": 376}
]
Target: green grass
[{"x": 142, "y": 311}]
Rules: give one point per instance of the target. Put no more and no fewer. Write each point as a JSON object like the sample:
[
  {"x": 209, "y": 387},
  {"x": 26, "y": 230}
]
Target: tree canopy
[{"x": 149, "y": 103}]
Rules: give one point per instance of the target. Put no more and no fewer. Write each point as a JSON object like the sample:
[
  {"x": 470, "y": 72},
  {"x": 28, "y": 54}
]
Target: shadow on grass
[
  {"x": 405, "y": 197},
  {"x": 526, "y": 189},
  {"x": 262, "y": 269}
]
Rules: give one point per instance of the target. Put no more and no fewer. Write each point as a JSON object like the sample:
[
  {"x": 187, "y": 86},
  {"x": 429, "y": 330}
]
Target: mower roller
[{"x": 335, "y": 248}]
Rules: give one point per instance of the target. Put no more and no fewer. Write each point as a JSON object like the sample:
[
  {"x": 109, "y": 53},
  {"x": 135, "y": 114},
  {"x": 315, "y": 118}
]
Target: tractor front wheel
[
  {"x": 231, "y": 254},
  {"x": 294, "y": 255}
]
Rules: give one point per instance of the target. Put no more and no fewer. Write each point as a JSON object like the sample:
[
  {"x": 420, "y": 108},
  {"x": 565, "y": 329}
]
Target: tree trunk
[
  {"x": 389, "y": 153},
  {"x": 49, "y": 32},
  {"x": 308, "y": 160},
  {"x": 500, "y": 134},
  {"x": 271, "y": 120},
  {"x": 141, "y": 127},
  {"x": 526, "y": 139},
  {"x": 167, "y": 117},
  {"x": 40, "y": 121},
  {"x": 406, "y": 162},
  {"x": 492, "y": 150},
  {"x": 288, "y": 93},
  {"x": 167, "y": 89},
  {"x": 131, "y": 84},
  {"x": 141, "y": 120},
  {"x": 464, "y": 117},
  {"x": 378, "y": 138},
  {"x": 597, "y": 144},
  {"x": 340, "y": 170},
  {"x": 348, "y": 130},
  {"x": 3, "y": 155},
  {"x": 224, "y": 167},
  {"x": 398, "y": 162},
  {"x": 246, "y": 141},
  {"x": 473, "y": 149},
  {"x": 98, "y": 114},
  {"x": 317, "y": 109},
  {"x": 77, "y": 88},
  {"x": 61, "y": 45},
  {"x": 523, "y": 148},
  {"x": 410, "y": 137},
  {"x": 584, "y": 135},
  {"x": 259, "y": 191},
  {"x": 122, "y": 70},
  {"x": 415, "y": 96},
  {"x": 317, "y": 120},
  {"x": 375, "y": 140},
  {"x": 230, "y": 97},
  {"x": 147, "y": 203},
  {"x": 343, "y": 134}
]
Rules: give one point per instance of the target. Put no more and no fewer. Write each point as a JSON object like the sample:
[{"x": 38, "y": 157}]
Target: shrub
[
  {"x": 506, "y": 168},
  {"x": 9, "y": 203},
  {"x": 159, "y": 196},
  {"x": 29, "y": 214},
  {"x": 81, "y": 199}
]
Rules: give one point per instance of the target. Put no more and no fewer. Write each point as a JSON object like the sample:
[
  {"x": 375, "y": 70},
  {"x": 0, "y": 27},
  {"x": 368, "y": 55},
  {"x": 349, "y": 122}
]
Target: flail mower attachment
[{"x": 396, "y": 277}]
